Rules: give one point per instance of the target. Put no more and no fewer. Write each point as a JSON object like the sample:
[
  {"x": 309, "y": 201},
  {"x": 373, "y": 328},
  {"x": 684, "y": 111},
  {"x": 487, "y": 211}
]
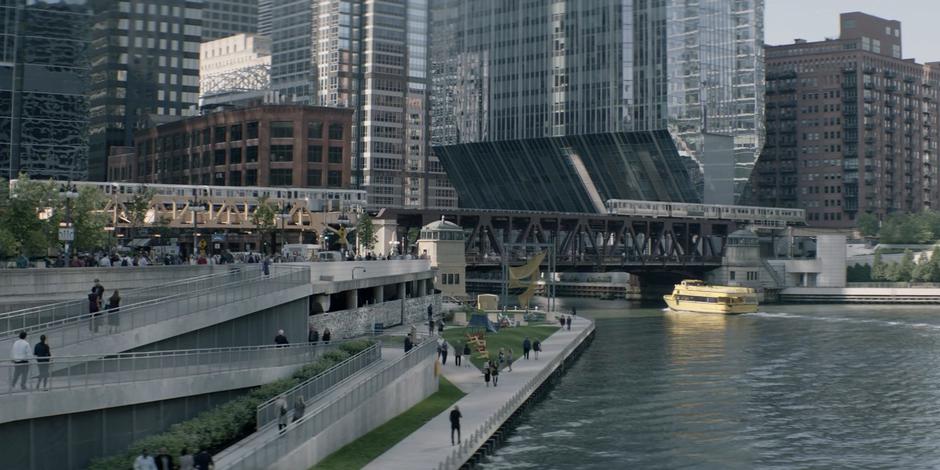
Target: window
[
  {"x": 280, "y": 129},
  {"x": 335, "y": 155},
  {"x": 282, "y": 153},
  {"x": 314, "y": 178},
  {"x": 235, "y": 155},
  {"x": 252, "y": 130},
  {"x": 315, "y": 130},
  {"x": 282, "y": 177},
  {"x": 251, "y": 154},
  {"x": 206, "y": 159},
  {"x": 732, "y": 275},
  {"x": 218, "y": 178},
  {"x": 334, "y": 179},
  {"x": 220, "y": 134},
  {"x": 314, "y": 153},
  {"x": 235, "y": 132},
  {"x": 220, "y": 157},
  {"x": 336, "y": 131},
  {"x": 251, "y": 177},
  {"x": 234, "y": 178}
]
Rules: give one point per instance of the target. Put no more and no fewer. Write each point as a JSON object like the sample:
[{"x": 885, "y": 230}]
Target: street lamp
[
  {"x": 69, "y": 192},
  {"x": 196, "y": 208},
  {"x": 284, "y": 216}
]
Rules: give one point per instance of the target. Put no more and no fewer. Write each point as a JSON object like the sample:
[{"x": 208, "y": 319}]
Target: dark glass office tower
[
  {"x": 223, "y": 18},
  {"x": 43, "y": 76},
  {"x": 145, "y": 70}
]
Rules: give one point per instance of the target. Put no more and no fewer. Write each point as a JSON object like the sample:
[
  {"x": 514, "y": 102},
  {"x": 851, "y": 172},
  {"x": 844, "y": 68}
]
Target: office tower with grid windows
[
  {"x": 369, "y": 56},
  {"x": 519, "y": 70},
  {"x": 223, "y": 18},
  {"x": 852, "y": 126}
]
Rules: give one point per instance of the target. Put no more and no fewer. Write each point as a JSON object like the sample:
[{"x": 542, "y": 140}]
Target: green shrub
[{"x": 228, "y": 423}]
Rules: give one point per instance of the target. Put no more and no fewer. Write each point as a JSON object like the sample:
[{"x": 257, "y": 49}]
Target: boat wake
[{"x": 926, "y": 326}]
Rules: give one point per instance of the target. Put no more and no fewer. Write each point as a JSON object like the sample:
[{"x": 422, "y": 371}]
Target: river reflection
[{"x": 789, "y": 387}]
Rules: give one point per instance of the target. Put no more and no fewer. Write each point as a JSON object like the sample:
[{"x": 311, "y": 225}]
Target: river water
[{"x": 790, "y": 387}]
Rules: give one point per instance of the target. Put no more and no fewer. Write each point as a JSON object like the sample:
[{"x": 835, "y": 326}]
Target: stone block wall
[{"x": 359, "y": 321}]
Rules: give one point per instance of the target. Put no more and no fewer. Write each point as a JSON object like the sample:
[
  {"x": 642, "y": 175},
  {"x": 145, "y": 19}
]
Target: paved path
[
  {"x": 427, "y": 447},
  {"x": 256, "y": 440}
]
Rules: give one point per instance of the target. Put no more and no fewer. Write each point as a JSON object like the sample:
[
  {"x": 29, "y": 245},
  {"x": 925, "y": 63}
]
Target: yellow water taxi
[{"x": 694, "y": 296}]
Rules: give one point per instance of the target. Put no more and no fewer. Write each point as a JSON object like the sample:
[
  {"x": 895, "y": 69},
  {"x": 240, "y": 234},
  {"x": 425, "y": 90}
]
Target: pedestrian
[
  {"x": 413, "y": 333},
  {"x": 430, "y": 313},
  {"x": 186, "y": 460},
  {"x": 313, "y": 336},
  {"x": 430, "y": 327},
  {"x": 509, "y": 361},
  {"x": 144, "y": 461},
  {"x": 20, "y": 357},
  {"x": 164, "y": 460},
  {"x": 486, "y": 373},
  {"x": 408, "y": 344},
  {"x": 42, "y": 353},
  {"x": 495, "y": 373},
  {"x": 440, "y": 326},
  {"x": 280, "y": 339},
  {"x": 526, "y": 346},
  {"x": 458, "y": 352},
  {"x": 568, "y": 322},
  {"x": 455, "y": 424},
  {"x": 266, "y": 266},
  {"x": 466, "y": 352},
  {"x": 113, "y": 307},
  {"x": 326, "y": 336},
  {"x": 561, "y": 318},
  {"x": 300, "y": 406},
  {"x": 537, "y": 346},
  {"x": 444, "y": 353},
  {"x": 93, "y": 307},
  {"x": 202, "y": 460},
  {"x": 281, "y": 414},
  {"x": 501, "y": 358}
]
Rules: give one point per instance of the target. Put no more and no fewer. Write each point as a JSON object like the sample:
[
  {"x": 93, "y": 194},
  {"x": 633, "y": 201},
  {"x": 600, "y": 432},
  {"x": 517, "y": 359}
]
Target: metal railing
[
  {"x": 462, "y": 453},
  {"x": 31, "y": 317},
  {"x": 892, "y": 285},
  {"x": 333, "y": 410},
  {"x": 71, "y": 372},
  {"x": 267, "y": 412},
  {"x": 194, "y": 297}
]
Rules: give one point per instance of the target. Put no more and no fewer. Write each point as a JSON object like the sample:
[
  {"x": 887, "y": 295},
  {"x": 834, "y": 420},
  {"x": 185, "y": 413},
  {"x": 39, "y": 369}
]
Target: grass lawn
[
  {"x": 365, "y": 449},
  {"x": 506, "y": 338}
]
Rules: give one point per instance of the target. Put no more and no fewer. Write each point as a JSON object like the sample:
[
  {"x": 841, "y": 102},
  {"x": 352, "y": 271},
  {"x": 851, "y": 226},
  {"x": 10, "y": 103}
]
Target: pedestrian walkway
[
  {"x": 430, "y": 445},
  {"x": 253, "y": 443}
]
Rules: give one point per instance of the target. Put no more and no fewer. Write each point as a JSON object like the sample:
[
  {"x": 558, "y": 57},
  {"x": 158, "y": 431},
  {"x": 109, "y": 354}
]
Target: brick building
[
  {"x": 852, "y": 127},
  {"x": 270, "y": 145}
]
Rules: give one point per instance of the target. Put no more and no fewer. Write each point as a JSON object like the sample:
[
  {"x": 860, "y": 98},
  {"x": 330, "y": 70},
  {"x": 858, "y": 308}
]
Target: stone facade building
[{"x": 271, "y": 145}]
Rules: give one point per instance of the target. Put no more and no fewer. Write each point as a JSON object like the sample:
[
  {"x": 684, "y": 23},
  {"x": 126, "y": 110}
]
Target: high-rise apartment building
[
  {"x": 223, "y": 18},
  {"x": 145, "y": 69},
  {"x": 369, "y": 56},
  {"x": 44, "y": 72},
  {"x": 518, "y": 70},
  {"x": 852, "y": 127}
]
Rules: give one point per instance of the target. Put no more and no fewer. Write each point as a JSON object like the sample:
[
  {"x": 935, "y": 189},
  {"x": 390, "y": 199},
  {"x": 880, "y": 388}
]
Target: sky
[{"x": 813, "y": 20}]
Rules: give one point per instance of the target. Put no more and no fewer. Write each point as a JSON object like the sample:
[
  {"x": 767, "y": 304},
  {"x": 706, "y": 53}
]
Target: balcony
[{"x": 868, "y": 69}]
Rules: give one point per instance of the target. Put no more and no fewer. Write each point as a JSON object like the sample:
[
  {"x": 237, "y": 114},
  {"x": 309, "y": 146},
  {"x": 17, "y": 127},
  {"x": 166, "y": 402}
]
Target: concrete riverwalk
[{"x": 430, "y": 446}]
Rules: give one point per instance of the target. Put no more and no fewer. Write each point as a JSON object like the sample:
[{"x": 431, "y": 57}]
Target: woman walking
[
  {"x": 466, "y": 352},
  {"x": 486, "y": 373},
  {"x": 537, "y": 346},
  {"x": 114, "y": 302},
  {"x": 495, "y": 374},
  {"x": 42, "y": 353}
]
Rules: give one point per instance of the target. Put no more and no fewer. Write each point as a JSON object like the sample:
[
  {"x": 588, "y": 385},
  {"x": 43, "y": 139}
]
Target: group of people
[
  {"x": 313, "y": 336},
  {"x": 565, "y": 321},
  {"x": 98, "y": 307},
  {"x": 529, "y": 345},
  {"x": 22, "y": 353},
  {"x": 300, "y": 407},
  {"x": 164, "y": 461}
]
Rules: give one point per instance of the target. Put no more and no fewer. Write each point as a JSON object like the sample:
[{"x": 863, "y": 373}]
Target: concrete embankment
[
  {"x": 867, "y": 295},
  {"x": 488, "y": 412}
]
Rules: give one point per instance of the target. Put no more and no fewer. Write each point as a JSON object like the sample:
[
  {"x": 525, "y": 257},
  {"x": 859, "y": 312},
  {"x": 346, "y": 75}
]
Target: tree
[
  {"x": 263, "y": 218},
  {"x": 923, "y": 270},
  {"x": 89, "y": 219},
  {"x": 878, "y": 268},
  {"x": 31, "y": 217},
  {"x": 365, "y": 232},
  {"x": 858, "y": 273},
  {"x": 868, "y": 225},
  {"x": 892, "y": 273},
  {"x": 138, "y": 207},
  {"x": 906, "y": 268}
]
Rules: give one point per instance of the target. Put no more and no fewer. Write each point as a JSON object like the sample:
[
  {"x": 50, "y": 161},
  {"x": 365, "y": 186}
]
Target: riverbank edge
[{"x": 491, "y": 443}]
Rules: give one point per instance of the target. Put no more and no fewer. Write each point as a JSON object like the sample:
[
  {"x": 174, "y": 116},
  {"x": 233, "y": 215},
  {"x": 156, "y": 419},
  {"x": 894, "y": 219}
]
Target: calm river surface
[{"x": 791, "y": 387}]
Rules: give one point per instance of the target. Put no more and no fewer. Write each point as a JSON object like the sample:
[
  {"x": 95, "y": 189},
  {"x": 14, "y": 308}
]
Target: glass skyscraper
[
  {"x": 43, "y": 77},
  {"x": 518, "y": 70}
]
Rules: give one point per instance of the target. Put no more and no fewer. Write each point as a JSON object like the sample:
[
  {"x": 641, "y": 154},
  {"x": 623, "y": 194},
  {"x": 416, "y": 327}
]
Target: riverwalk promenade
[{"x": 483, "y": 408}]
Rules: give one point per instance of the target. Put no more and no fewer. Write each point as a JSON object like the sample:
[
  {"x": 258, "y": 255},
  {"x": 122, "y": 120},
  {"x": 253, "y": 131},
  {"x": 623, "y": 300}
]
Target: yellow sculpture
[{"x": 526, "y": 276}]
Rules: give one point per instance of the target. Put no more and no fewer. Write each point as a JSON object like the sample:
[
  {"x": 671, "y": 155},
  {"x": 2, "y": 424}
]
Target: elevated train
[{"x": 757, "y": 216}]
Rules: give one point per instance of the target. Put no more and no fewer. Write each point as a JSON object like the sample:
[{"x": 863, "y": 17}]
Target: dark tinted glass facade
[
  {"x": 567, "y": 174},
  {"x": 43, "y": 72}
]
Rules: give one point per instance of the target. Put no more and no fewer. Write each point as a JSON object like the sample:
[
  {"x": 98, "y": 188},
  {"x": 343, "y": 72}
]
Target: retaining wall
[{"x": 359, "y": 321}]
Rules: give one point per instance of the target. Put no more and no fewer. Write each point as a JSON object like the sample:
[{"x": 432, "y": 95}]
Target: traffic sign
[
  {"x": 67, "y": 234},
  {"x": 203, "y": 243}
]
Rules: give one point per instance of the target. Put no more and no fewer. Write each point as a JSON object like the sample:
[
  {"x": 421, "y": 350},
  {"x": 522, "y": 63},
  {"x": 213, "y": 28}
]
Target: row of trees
[
  {"x": 31, "y": 217},
  {"x": 907, "y": 270},
  {"x": 918, "y": 228}
]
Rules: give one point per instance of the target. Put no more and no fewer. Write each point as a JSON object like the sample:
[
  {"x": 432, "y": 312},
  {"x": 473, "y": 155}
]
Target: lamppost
[
  {"x": 69, "y": 192},
  {"x": 284, "y": 216},
  {"x": 196, "y": 208}
]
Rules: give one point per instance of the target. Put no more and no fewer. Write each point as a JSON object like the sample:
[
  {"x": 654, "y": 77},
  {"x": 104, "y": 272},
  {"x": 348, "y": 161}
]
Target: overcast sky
[{"x": 817, "y": 19}]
